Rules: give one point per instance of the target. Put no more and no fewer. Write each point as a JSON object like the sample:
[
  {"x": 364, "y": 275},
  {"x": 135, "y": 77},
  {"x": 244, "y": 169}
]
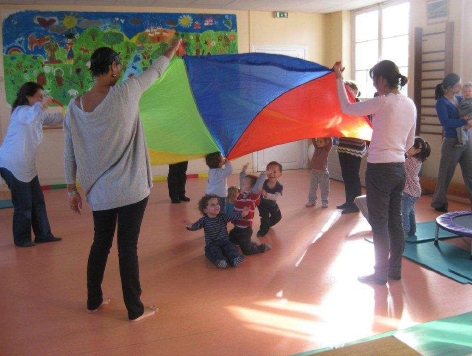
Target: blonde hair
[{"x": 232, "y": 194}]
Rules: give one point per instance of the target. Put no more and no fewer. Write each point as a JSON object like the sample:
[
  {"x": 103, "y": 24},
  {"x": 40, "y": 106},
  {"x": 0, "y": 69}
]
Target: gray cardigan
[{"x": 106, "y": 148}]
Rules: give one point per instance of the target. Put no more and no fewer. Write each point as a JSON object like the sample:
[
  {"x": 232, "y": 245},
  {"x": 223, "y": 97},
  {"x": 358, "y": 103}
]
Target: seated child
[
  {"x": 248, "y": 198},
  {"x": 415, "y": 157},
  {"x": 218, "y": 248},
  {"x": 269, "y": 210},
  {"x": 319, "y": 172},
  {"x": 233, "y": 193},
  {"x": 218, "y": 176},
  {"x": 465, "y": 109}
]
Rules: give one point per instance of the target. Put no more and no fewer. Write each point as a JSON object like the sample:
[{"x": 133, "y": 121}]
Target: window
[{"x": 380, "y": 32}]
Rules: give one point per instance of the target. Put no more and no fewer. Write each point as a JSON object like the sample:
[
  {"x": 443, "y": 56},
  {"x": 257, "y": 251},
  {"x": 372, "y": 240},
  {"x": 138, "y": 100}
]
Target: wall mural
[{"x": 54, "y": 48}]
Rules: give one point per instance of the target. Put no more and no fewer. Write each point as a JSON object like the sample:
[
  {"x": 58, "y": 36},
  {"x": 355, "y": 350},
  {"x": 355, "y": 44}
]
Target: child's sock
[
  {"x": 238, "y": 260},
  {"x": 221, "y": 264}
]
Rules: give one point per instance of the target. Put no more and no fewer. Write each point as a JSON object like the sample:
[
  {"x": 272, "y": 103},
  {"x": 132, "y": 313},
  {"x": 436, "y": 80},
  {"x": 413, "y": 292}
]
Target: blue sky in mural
[{"x": 59, "y": 25}]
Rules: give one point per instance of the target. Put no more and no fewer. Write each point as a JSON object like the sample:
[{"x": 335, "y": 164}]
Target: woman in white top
[
  {"x": 394, "y": 125},
  {"x": 18, "y": 167}
]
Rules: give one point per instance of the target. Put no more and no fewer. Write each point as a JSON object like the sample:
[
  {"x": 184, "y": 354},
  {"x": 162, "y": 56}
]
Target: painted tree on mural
[{"x": 54, "y": 48}]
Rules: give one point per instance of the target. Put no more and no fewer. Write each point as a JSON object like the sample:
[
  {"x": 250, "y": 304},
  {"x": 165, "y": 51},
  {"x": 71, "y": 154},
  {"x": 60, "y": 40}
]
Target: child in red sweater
[{"x": 249, "y": 197}]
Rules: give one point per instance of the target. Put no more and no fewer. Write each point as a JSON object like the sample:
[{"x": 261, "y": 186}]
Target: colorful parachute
[{"x": 238, "y": 104}]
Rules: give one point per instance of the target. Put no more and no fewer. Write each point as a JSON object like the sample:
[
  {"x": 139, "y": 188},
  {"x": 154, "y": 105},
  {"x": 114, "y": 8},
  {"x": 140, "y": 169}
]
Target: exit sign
[{"x": 280, "y": 14}]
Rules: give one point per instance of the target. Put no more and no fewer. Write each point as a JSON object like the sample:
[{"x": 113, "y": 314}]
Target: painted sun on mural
[{"x": 54, "y": 48}]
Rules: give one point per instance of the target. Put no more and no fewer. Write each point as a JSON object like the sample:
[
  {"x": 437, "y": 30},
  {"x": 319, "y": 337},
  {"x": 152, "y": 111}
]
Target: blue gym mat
[
  {"x": 5, "y": 204},
  {"x": 425, "y": 231}
]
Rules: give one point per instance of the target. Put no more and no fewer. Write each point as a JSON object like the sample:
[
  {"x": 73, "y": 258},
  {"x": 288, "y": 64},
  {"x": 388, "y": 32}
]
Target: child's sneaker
[
  {"x": 221, "y": 264},
  {"x": 324, "y": 204},
  {"x": 310, "y": 204},
  {"x": 238, "y": 260}
]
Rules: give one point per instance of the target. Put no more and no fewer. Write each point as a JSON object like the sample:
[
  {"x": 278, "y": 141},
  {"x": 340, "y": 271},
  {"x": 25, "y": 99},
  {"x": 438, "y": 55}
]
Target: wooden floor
[{"x": 300, "y": 296}]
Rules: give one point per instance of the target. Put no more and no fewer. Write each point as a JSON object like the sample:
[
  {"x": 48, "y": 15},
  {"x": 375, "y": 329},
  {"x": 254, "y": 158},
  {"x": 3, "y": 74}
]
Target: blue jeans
[
  {"x": 408, "y": 214},
  {"x": 29, "y": 209}
]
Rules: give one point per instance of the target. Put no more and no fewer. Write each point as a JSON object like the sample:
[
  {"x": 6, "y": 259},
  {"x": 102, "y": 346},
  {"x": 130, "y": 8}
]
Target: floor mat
[
  {"x": 448, "y": 336},
  {"x": 5, "y": 204}
]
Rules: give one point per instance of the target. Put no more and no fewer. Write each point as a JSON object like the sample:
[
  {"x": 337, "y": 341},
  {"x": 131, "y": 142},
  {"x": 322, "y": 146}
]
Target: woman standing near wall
[
  {"x": 394, "y": 123},
  {"x": 104, "y": 145},
  {"x": 451, "y": 154},
  {"x": 18, "y": 167}
]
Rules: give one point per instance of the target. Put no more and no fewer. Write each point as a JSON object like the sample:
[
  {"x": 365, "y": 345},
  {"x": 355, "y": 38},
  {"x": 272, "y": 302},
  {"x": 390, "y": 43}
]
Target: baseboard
[{"x": 456, "y": 191}]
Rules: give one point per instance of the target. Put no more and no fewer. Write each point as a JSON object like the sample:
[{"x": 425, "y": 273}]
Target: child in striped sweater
[
  {"x": 248, "y": 198},
  {"x": 218, "y": 248}
]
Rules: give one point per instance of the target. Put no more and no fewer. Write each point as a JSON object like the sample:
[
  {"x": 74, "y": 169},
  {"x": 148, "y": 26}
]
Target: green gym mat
[
  {"x": 440, "y": 258},
  {"x": 425, "y": 231},
  {"x": 449, "y": 336},
  {"x": 5, "y": 204}
]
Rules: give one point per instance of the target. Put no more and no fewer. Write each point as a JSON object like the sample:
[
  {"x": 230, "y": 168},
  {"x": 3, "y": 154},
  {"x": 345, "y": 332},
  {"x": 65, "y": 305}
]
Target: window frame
[{"x": 379, "y": 7}]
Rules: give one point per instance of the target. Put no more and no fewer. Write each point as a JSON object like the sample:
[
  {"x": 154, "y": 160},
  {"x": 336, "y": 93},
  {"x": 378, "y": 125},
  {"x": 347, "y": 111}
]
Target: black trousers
[
  {"x": 129, "y": 220},
  {"x": 29, "y": 209},
  {"x": 242, "y": 237},
  {"x": 350, "y": 167},
  {"x": 176, "y": 179},
  {"x": 270, "y": 215}
]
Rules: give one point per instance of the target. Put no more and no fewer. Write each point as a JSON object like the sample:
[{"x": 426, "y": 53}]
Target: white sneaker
[
  {"x": 310, "y": 204},
  {"x": 324, "y": 205}
]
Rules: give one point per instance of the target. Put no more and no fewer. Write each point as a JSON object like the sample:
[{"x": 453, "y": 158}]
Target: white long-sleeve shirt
[
  {"x": 393, "y": 121},
  {"x": 24, "y": 135},
  {"x": 218, "y": 180}
]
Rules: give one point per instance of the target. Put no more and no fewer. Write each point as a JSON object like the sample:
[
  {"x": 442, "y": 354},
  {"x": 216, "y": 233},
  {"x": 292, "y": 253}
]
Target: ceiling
[{"x": 319, "y": 6}]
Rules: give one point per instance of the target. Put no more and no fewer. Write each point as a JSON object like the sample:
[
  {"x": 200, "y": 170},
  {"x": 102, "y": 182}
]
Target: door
[{"x": 293, "y": 155}]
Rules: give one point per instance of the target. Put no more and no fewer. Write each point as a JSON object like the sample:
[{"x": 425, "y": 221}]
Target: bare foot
[
  {"x": 148, "y": 311},
  {"x": 105, "y": 302}
]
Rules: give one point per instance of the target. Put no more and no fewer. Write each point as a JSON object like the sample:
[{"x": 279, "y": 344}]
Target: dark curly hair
[
  {"x": 27, "y": 89},
  {"x": 213, "y": 159},
  {"x": 101, "y": 60},
  {"x": 203, "y": 202}
]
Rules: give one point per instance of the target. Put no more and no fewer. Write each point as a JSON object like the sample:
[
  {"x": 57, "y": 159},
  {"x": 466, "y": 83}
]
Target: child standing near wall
[
  {"x": 269, "y": 210},
  {"x": 319, "y": 172},
  {"x": 415, "y": 157},
  {"x": 249, "y": 197},
  {"x": 218, "y": 177},
  {"x": 218, "y": 248}
]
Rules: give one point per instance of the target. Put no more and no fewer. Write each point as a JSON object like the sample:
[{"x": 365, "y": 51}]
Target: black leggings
[{"x": 129, "y": 219}]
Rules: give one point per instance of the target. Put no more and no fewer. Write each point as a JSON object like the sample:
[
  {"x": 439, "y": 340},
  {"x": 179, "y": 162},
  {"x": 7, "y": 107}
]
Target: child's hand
[
  {"x": 263, "y": 193},
  {"x": 245, "y": 212},
  {"x": 245, "y": 167},
  {"x": 186, "y": 222}
]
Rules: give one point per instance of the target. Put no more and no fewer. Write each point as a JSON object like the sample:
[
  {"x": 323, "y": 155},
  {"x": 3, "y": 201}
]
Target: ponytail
[
  {"x": 439, "y": 91},
  {"x": 449, "y": 81},
  {"x": 390, "y": 72}
]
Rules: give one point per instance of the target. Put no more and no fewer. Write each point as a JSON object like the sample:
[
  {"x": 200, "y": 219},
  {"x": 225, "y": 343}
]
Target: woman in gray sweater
[{"x": 104, "y": 146}]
